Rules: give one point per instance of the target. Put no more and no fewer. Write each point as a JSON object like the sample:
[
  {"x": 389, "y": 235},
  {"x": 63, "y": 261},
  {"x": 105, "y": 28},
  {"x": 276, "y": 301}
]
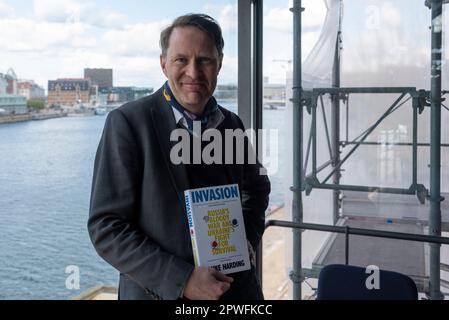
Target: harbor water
[{"x": 45, "y": 180}]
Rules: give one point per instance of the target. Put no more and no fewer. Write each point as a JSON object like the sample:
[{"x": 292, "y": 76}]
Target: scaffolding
[{"x": 309, "y": 100}]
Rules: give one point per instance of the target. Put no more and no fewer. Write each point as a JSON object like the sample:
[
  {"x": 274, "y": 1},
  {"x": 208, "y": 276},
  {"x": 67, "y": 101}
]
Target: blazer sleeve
[
  {"x": 255, "y": 190},
  {"x": 112, "y": 223}
]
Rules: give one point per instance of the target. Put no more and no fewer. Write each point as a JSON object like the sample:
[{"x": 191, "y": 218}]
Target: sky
[{"x": 48, "y": 39}]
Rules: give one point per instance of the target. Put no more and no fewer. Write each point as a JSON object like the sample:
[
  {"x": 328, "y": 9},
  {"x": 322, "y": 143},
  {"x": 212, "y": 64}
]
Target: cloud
[
  {"x": 128, "y": 71},
  {"x": 48, "y": 65},
  {"x": 109, "y": 20},
  {"x": 278, "y": 36},
  {"x": 278, "y": 29},
  {"x": 6, "y": 11},
  {"x": 61, "y": 10},
  {"x": 229, "y": 17},
  {"x": 140, "y": 39},
  {"x": 281, "y": 19},
  {"x": 78, "y": 11},
  {"x": 314, "y": 14},
  {"x": 276, "y": 60},
  {"x": 28, "y": 35},
  {"x": 66, "y": 36},
  {"x": 229, "y": 71}
]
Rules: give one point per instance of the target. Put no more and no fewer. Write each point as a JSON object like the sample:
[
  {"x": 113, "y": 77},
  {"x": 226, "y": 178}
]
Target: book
[{"x": 217, "y": 229}]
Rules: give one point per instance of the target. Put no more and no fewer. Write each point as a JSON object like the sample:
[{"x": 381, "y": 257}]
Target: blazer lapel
[{"x": 164, "y": 123}]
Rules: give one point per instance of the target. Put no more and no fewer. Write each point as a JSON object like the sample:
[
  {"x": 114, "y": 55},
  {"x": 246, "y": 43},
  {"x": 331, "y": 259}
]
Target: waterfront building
[
  {"x": 103, "y": 78},
  {"x": 226, "y": 92},
  {"x": 94, "y": 97},
  {"x": 272, "y": 91},
  {"x": 141, "y": 92},
  {"x": 3, "y": 84},
  {"x": 31, "y": 90},
  {"x": 8, "y": 82},
  {"x": 12, "y": 104},
  {"x": 116, "y": 95},
  {"x": 68, "y": 92}
]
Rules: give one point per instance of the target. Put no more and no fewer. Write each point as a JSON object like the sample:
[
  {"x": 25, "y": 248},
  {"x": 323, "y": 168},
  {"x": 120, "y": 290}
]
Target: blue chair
[{"x": 345, "y": 282}]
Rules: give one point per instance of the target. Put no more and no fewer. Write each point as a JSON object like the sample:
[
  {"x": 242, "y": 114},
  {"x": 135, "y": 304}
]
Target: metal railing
[
  {"x": 309, "y": 100},
  {"x": 346, "y": 230},
  {"x": 357, "y": 231}
]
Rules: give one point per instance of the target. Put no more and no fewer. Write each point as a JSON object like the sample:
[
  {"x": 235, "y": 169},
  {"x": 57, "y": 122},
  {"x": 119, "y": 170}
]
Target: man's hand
[{"x": 206, "y": 284}]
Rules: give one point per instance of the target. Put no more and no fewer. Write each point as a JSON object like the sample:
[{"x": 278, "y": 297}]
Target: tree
[{"x": 35, "y": 104}]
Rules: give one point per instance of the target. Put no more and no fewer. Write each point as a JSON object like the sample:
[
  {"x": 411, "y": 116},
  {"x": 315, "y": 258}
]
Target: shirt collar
[
  {"x": 179, "y": 117},
  {"x": 213, "y": 122},
  {"x": 211, "y": 117}
]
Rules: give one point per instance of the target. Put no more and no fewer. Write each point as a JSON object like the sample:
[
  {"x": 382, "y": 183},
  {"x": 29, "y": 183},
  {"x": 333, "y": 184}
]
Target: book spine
[{"x": 188, "y": 201}]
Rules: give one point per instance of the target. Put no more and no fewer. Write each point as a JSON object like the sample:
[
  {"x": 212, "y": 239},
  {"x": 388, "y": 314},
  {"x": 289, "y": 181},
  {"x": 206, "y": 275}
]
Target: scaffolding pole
[
  {"x": 435, "y": 144},
  {"x": 335, "y": 126},
  {"x": 297, "y": 208},
  {"x": 257, "y": 94},
  {"x": 435, "y": 148}
]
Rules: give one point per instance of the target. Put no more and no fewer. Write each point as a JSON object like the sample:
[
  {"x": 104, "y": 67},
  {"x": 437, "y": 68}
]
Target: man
[{"x": 138, "y": 221}]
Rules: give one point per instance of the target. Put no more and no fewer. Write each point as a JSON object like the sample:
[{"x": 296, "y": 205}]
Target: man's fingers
[
  {"x": 225, "y": 286},
  {"x": 221, "y": 288},
  {"x": 221, "y": 276}
]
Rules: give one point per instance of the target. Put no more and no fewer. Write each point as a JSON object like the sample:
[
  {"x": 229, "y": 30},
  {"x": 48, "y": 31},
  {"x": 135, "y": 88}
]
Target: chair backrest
[{"x": 345, "y": 282}]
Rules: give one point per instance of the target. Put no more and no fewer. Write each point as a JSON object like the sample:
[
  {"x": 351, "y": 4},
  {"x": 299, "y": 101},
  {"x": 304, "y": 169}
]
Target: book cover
[{"x": 217, "y": 229}]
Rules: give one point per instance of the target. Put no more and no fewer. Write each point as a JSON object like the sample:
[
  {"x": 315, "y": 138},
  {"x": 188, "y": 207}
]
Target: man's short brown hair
[{"x": 198, "y": 20}]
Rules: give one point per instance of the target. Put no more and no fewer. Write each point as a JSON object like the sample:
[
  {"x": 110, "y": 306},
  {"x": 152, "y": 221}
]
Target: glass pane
[
  {"x": 383, "y": 44},
  {"x": 46, "y": 166},
  {"x": 277, "y": 115}
]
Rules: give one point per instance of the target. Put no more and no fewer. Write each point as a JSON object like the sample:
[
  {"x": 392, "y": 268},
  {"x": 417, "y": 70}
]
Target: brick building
[
  {"x": 68, "y": 92},
  {"x": 103, "y": 78}
]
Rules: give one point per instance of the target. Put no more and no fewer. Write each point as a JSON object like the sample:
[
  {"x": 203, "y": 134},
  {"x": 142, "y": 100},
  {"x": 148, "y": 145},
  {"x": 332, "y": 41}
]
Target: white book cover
[{"x": 217, "y": 228}]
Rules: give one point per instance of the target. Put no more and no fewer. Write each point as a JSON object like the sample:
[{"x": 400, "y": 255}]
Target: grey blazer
[{"x": 137, "y": 220}]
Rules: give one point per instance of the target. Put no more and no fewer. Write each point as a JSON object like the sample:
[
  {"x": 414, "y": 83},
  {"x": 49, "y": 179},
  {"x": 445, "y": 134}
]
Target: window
[{"x": 45, "y": 252}]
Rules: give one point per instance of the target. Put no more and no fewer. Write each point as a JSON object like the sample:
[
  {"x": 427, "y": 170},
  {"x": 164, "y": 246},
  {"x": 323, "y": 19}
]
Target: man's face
[{"x": 191, "y": 64}]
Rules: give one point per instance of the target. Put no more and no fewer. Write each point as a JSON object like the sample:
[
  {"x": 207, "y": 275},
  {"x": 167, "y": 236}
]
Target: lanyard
[{"x": 209, "y": 110}]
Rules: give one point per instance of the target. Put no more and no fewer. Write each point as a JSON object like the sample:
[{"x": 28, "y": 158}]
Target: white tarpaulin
[{"x": 385, "y": 43}]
